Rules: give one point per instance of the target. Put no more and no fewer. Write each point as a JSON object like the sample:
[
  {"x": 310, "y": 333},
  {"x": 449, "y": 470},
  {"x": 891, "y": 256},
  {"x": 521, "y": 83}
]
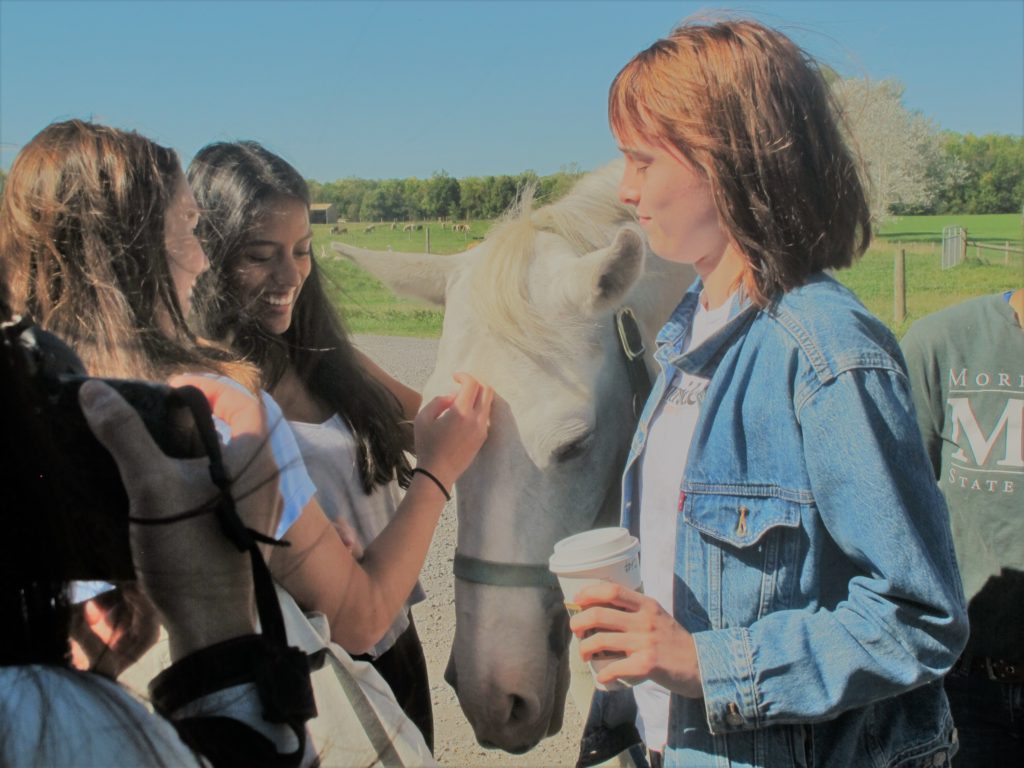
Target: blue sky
[{"x": 396, "y": 89}]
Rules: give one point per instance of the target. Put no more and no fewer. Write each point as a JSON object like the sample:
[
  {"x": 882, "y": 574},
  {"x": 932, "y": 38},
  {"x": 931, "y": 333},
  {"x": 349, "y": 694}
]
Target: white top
[
  {"x": 330, "y": 456},
  {"x": 661, "y": 471}
]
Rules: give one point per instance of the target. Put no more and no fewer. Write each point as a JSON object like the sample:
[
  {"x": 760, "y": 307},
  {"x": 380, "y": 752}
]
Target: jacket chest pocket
[{"x": 739, "y": 559}]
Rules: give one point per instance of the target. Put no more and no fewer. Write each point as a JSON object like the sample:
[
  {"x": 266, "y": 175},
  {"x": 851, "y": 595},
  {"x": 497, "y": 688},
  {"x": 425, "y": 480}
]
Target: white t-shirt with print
[{"x": 661, "y": 472}]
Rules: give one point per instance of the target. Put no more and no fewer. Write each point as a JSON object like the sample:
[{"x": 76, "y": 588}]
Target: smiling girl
[{"x": 266, "y": 299}]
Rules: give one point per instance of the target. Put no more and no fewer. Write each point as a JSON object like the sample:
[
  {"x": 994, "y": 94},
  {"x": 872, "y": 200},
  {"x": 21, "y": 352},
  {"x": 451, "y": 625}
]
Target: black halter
[{"x": 477, "y": 571}]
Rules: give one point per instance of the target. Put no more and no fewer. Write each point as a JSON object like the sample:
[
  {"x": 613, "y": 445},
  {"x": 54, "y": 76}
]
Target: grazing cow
[
  {"x": 337, "y": 229},
  {"x": 369, "y": 228}
]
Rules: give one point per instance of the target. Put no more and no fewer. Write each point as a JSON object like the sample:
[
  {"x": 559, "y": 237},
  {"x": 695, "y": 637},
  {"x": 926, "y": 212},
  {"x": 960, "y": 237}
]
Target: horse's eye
[{"x": 573, "y": 450}]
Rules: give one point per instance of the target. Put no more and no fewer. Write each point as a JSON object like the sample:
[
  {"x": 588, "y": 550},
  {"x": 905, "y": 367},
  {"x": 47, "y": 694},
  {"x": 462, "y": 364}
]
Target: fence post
[
  {"x": 900, "y": 287},
  {"x": 427, "y": 228}
]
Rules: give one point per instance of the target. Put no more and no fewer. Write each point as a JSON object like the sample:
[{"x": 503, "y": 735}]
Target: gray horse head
[{"x": 531, "y": 311}]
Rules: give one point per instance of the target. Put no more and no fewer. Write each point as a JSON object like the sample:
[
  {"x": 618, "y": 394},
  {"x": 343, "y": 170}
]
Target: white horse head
[{"x": 531, "y": 312}]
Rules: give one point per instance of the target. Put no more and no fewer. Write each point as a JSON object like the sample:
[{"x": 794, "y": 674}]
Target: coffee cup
[{"x": 592, "y": 557}]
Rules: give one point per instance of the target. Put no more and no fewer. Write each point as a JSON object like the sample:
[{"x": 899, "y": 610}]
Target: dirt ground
[{"x": 411, "y": 360}]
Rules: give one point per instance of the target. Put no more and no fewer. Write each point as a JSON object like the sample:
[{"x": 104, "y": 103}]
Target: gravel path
[{"x": 411, "y": 361}]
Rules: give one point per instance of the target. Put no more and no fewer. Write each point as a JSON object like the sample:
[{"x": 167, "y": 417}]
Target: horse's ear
[
  {"x": 417, "y": 275},
  {"x": 602, "y": 277}
]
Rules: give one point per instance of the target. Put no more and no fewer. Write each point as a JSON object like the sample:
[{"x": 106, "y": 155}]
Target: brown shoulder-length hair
[
  {"x": 746, "y": 106},
  {"x": 82, "y": 242}
]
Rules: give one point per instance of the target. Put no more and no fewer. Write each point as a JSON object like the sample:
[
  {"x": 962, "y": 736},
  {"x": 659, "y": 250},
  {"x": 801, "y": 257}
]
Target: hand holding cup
[
  {"x": 603, "y": 556},
  {"x": 628, "y": 636}
]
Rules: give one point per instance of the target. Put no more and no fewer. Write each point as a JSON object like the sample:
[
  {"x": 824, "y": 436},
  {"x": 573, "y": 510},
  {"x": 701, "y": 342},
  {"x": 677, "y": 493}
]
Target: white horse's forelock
[{"x": 587, "y": 218}]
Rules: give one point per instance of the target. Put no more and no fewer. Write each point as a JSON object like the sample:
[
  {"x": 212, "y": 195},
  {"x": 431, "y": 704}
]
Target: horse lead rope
[{"x": 477, "y": 571}]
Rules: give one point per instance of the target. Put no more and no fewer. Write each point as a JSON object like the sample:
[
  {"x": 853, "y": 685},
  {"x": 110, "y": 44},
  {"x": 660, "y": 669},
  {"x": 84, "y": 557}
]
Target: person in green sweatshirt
[{"x": 966, "y": 367}]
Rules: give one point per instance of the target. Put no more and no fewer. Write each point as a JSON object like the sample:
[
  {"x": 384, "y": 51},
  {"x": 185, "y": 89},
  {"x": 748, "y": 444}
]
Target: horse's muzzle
[{"x": 513, "y": 722}]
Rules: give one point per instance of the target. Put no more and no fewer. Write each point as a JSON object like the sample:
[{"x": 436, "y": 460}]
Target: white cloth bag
[{"x": 359, "y": 722}]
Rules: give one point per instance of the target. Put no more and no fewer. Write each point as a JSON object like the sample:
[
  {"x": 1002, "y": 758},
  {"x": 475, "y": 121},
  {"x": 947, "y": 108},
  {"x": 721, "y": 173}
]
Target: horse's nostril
[{"x": 520, "y": 711}]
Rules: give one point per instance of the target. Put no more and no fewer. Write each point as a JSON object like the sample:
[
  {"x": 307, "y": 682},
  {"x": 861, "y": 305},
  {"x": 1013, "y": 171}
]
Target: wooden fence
[{"x": 1005, "y": 249}]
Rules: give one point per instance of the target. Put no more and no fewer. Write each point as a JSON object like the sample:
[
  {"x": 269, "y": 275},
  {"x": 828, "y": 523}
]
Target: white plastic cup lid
[{"x": 592, "y": 549}]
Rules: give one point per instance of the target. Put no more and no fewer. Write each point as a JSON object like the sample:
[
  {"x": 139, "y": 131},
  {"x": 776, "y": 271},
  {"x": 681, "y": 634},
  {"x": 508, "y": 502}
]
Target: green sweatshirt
[{"x": 966, "y": 368}]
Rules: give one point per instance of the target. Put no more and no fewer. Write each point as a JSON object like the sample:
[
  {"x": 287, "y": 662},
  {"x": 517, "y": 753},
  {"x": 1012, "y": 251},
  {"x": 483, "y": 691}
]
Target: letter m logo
[{"x": 968, "y": 433}]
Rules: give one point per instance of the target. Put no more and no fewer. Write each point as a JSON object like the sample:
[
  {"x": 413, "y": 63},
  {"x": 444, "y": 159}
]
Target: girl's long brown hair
[
  {"x": 236, "y": 184},
  {"x": 746, "y": 106},
  {"x": 82, "y": 242}
]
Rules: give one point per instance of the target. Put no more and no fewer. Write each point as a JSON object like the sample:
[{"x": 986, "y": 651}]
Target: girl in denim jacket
[{"x": 801, "y": 599}]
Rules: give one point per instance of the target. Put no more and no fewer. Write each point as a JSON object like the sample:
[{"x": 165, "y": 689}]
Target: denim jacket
[{"x": 814, "y": 563}]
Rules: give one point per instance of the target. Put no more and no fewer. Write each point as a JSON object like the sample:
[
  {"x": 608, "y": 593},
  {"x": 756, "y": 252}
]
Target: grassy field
[
  {"x": 996, "y": 228},
  {"x": 368, "y": 307},
  {"x": 929, "y": 287}
]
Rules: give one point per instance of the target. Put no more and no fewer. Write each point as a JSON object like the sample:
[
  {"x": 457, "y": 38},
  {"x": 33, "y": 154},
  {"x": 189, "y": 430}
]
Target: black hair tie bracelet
[{"x": 438, "y": 483}]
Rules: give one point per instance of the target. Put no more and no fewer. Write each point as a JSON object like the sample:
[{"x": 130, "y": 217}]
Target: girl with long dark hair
[{"x": 265, "y": 296}]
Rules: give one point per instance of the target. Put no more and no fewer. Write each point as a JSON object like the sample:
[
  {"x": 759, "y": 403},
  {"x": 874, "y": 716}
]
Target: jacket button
[{"x": 733, "y": 717}]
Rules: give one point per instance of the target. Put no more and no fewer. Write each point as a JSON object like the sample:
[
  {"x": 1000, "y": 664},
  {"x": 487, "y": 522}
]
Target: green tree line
[
  {"x": 987, "y": 174},
  {"x": 412, "y": 199},
  {"x": 912, "y": 167},
  {"x": 931, "y": 172}
]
